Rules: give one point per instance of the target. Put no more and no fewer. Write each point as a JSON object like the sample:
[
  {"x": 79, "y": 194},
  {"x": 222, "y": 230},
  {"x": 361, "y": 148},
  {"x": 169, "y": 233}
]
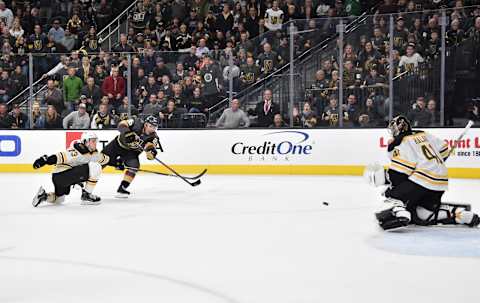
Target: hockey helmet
[
  {"x": 399, "y": 125},
  {"x": 86, "y": 138},
  {"x": 152, "y": 120}
]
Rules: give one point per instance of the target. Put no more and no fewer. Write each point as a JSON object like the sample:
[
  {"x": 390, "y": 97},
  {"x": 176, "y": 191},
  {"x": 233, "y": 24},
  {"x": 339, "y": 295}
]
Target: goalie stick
[
  {"x": 165, "y": 174},
  {"x": 464, "y": 132}
]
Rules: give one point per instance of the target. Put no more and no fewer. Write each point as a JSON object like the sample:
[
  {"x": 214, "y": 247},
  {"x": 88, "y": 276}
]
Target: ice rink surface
[{"x": 251, "y": 239}]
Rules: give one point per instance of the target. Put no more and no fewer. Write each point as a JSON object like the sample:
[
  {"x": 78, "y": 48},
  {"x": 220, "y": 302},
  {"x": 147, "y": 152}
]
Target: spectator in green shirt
[{"x": 72, "y": 86}]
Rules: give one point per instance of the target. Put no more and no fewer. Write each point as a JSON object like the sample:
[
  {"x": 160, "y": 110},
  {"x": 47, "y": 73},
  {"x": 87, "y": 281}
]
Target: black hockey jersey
[{"x": 133, "y": 128}]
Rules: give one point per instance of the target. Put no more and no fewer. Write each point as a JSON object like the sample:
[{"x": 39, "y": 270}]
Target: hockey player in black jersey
[
  {"x": 136, "y": 136},
  {"x": 417, "y": 179}
]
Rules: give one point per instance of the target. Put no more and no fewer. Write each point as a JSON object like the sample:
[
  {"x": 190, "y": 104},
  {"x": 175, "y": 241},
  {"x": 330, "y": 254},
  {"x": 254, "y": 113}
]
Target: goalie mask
[{"x": 399, "y": 125}]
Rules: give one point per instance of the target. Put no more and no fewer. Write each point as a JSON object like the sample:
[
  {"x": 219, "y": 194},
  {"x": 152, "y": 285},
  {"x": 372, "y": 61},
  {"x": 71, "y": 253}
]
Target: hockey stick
[
  {"x": 164, "y": 174},
  {"x": 465, "y": 130},
  {"x": 196, "y": 183}
]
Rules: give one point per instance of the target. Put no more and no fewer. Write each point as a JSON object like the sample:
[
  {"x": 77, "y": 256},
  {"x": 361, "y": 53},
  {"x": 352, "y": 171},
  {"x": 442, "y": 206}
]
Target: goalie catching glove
[
  {"x": 150, "y": 151},
  {"x": 376, "y": 175}
]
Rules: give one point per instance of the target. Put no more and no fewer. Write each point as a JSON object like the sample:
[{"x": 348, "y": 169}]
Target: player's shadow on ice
[{"x": 439, "y": 241}]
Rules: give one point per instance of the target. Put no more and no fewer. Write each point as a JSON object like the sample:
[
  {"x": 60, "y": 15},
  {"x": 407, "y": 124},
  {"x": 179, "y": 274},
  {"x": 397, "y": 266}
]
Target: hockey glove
[
  {"x": 40, "y": 162},
  {"x": 375, "y": 175},
  {"x": 150, "y": 151}
]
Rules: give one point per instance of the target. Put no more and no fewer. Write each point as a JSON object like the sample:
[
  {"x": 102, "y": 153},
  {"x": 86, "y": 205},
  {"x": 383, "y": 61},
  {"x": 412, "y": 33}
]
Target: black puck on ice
[{"x": 325, "y": 203}]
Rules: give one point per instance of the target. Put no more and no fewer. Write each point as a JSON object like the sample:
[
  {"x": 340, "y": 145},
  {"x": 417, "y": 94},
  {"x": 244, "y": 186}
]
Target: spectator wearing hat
[
  {"x": 77, "y": 119},
  {"x": 400, "y": 35},
  {"x": 114, "y": 87}
]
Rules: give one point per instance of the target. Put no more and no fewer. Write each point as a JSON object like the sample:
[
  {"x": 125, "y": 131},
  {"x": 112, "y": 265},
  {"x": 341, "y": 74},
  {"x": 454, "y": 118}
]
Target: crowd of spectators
[
  {"x": 416, "y": 54},
  {"x": 45, "y": 29},
  {"x": 180, "y": 53}
]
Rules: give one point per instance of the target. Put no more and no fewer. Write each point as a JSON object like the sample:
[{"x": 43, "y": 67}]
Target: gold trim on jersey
[
  {"x": 401, "y": 169},
  {"x": 429, "y": 180},
  {"x": 63, "y": 158},
  {"x": 404, "y": 162},
  {"x": 432, "y": 175}
]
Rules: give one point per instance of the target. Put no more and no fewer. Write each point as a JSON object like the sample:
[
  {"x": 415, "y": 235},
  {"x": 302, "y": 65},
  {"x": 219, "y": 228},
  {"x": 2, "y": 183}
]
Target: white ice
[{"x": 255, "y": 239}]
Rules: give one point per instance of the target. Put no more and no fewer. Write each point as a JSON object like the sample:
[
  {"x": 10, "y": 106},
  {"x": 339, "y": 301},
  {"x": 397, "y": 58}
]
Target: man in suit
[{"x": 266, "y": 110}]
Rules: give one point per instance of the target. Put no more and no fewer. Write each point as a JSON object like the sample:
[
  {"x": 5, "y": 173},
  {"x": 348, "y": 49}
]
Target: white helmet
[{"x": 86, "y": 137}]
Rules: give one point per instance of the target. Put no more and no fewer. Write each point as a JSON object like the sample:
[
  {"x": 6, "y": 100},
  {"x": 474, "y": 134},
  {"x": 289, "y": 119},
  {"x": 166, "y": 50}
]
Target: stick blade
[{"x": 196, "y": 183}]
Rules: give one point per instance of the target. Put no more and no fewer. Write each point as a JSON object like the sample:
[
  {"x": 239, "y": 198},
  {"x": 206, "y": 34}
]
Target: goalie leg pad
[{"x": 446, "y": 214}]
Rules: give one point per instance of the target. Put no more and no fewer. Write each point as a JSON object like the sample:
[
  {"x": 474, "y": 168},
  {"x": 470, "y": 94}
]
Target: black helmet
[
  {"x": 152, "y": 120},
  {"x": 399, "y": 125}
]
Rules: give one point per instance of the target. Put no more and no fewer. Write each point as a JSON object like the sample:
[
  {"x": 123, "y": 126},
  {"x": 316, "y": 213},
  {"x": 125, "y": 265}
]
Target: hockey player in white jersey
[
  {"x": 80, "y": 163},
  {"x": 417, "y": 179}
]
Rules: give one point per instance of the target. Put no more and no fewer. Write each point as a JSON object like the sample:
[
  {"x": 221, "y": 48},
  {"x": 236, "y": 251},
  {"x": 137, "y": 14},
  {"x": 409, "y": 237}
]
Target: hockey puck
[{"x": 325, "y": 203}]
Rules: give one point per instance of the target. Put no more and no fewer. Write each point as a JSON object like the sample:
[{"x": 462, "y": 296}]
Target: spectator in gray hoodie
[
  {"x": 233, "y": 117},
  {"x": 77, "y": 119}
]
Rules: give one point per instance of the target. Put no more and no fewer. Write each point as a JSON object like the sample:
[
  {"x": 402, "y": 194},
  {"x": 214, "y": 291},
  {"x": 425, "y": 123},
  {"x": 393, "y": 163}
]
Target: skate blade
[
  {"x": 121, "y": 196},
  {"x": 36, "y": 201}
]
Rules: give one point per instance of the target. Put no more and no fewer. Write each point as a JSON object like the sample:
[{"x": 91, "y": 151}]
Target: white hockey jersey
[
  {"x": 422, "y": 157},
  {"x": 73, "y": 157},
  {"x": 273, "y": 19}
]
